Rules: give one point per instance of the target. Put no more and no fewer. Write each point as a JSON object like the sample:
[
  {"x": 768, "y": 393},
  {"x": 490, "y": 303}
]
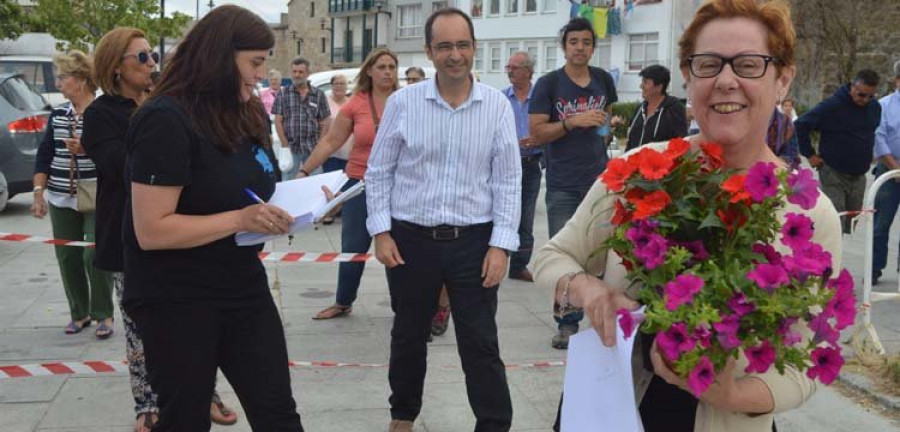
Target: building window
[
  {"x": 532, "y": 49},
  {"x": 549, "y": 5},
  {"x": 410, "y": 24},
  {"x": 512, "y": 7},
  {"x": 495, "y": 8},
  {"x": 312, "y": 9},
  {"x": 603, "y": 53},
  {"x": 438, "y": 5},
  {"x": 476, "y": 8},
  {"x": 299, "y": 46},
  {"x": 496, "y": 61},
  {"x": 549, "y": 56},
  {"x": 511, "y": 48},
  {"x": 530, "y": 6},
  {"x": 643, "y": 50},
  {"x": 479, "y": 58},
  {"x": 323, "y": 40}
]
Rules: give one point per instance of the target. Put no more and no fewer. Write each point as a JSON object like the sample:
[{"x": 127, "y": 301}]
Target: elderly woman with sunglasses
[
  {"x": 123, "y": 68},
  {"x": 61, "y": 164},
  {"x": 737, "y": 58}
]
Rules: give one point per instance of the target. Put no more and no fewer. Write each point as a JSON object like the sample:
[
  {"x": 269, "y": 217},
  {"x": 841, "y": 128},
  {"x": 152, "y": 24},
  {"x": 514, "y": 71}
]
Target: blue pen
[{"x": 253, "y": 196}]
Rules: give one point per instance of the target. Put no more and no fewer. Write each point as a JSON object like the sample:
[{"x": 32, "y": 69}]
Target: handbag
[{"x": 85, "y": 192}]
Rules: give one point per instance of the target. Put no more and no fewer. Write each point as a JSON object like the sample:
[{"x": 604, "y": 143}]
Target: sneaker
[
  {"x": 440, "y": 320},
  {"x": 561, "y": 339}
]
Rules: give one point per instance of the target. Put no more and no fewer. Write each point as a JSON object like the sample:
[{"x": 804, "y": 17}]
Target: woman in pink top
[
  {"x": 267, "y": 95},
  {"x": 360, "y": 117}
]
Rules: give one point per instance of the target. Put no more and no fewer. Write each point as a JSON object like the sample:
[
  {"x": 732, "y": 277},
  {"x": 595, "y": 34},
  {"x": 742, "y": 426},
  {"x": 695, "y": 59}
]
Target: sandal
[
  {"x": 103, "y": 331},
  {"x": 328, "y": 220},
  {"x": 74, "y": 327},
  {"x": 144, "y": 422},
  {"x": 225, "y": 416},
  {"x": 333, "y": 311}
]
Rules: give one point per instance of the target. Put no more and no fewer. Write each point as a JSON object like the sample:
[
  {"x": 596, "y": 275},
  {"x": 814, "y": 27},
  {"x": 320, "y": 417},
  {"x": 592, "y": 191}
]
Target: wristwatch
[{"x": 37, "y": 189}]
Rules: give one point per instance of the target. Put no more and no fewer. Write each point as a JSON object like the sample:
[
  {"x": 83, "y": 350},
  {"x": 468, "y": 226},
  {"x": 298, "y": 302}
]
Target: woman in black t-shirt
[{"x": 199, "y": 300}]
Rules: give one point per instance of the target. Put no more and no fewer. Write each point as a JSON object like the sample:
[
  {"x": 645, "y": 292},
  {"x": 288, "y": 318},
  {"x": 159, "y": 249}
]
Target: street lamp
[
  {"x": 379, "y": 4},
  {"x": 322, "y": 22}
]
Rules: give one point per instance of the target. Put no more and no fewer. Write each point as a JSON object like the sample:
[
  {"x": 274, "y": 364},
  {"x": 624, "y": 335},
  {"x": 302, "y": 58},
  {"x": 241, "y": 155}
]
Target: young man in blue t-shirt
[{"x": 569, "y": 112}]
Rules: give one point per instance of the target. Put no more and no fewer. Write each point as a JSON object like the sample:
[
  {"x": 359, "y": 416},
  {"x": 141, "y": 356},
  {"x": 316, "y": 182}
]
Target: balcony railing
[
  {"x": 343, "y": 55},
  {"x": 340, "y": 6}
]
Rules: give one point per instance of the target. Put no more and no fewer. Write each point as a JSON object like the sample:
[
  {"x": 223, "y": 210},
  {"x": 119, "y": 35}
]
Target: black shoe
[
  {"x": 561, "y": 339},
  {"x": 428, "y": 337},
  {"x": 875, "y": 276}
]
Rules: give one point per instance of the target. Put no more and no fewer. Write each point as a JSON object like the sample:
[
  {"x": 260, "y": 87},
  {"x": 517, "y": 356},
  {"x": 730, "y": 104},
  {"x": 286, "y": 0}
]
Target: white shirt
[{"x": 433, "y": 165}]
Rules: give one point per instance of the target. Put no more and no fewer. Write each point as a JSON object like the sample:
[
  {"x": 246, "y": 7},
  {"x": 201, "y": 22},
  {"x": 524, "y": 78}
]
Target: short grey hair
[
  {"x": 300, "y": 61},
  {"x": 527, "y": 60},
  {"x": 897, "y": 69},
  {"x": 275, "y": 73}
]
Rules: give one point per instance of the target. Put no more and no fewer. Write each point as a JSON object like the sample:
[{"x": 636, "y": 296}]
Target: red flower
[
  {"x": 735, "y": 186},
  {"x": 714, "y": 155},
  {"x": 635, "y": 195},
  {"x": 622, "y": 215},
  {"x": 651, "y": 204},
  {"x": 654, "y": 165},
  {"x": 733, "y": 218},
  {"x": 677, "y": 148},
  {"x": 617, "y": 171}
]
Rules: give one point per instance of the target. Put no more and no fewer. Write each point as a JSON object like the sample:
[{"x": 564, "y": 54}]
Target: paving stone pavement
[{"x": 33, "y": 311}]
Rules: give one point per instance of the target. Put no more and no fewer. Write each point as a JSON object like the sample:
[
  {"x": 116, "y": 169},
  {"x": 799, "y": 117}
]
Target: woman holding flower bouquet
[{"x": 735, "y": 256}]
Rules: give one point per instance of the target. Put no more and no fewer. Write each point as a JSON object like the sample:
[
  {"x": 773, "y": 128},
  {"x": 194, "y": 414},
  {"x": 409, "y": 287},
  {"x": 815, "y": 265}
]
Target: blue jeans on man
[
  {"x": 531, "y": 187},
  {"x": 887, "y": 200},
  {"x": 561, "y": 205}
]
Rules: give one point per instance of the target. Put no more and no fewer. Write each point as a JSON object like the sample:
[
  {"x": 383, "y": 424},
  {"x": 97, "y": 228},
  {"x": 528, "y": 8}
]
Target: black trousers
[
  {"x": 185, "y": 343},
  {"x": 414, "y": 289}
]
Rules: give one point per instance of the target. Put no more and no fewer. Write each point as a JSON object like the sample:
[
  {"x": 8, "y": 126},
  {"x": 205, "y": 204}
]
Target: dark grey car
[{"x": 23, "y": 119}]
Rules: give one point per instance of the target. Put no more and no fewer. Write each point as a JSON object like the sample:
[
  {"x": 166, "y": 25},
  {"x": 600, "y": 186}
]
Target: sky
[{"x": 269, "y": 10}]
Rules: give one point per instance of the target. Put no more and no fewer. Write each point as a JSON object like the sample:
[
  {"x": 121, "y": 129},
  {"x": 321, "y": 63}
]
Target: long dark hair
[{"x": 204, "y": 79}]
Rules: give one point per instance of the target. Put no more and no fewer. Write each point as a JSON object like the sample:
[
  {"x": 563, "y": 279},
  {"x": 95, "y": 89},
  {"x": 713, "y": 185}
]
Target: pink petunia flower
[
  {"x": 804, "y": 189},
  {"x": 703, "y": 336},
  {"x": 761, "y": 181},
  {"x": 810, "y": 261},
  {"x": 766, "y": 250},
  {"x": 701, "y": 377},
  {"x": 740, "y": 305},
  {"x": 682, "y": 290},
  {"x": 822, "y": 329},
  {"x": 788, "y": 336},
  {"x": 769, "y": 276},
  {"x": 760, "y": 358},
  {"x": 652, "y": 252},
  {"x": 797, "y": 231},
  {"x": 626, "y": 321},
  {"x": 827, "y": 363},
  {"x": 674, "y": 341},
  {"x": 726, "y": 331},
  {"x": 843, "y": 304}
]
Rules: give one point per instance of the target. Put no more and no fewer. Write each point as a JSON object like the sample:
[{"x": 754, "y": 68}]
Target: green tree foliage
[
  {"x": 82, "y": 23},
  {"x": 12, "y": 19}
]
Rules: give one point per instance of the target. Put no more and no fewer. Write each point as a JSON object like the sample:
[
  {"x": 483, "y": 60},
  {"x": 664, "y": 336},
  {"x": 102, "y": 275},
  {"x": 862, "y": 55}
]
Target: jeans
[
  {"x": 88, "y": 290},
  {"x": 531, "y": 186},
  {"x": 334, "y": 164},
  {"x": 355, "y": 238},
  {"x": 299, "y": 160},
  {"x": 886, "y": 202},
  {"x": 846, "y": 191},
  {"x": 414, "y": 289},
  {"x": 561, "y": 205}
]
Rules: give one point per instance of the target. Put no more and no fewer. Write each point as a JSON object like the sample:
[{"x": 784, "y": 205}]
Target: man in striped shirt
[{"x": 444, "y": 194}]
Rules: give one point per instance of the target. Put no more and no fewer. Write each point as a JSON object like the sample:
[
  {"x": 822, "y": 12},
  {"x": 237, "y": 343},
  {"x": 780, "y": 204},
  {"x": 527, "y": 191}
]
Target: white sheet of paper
[
  {"x": 301, "y": 198},
  {"x": 598, "y": 393}
]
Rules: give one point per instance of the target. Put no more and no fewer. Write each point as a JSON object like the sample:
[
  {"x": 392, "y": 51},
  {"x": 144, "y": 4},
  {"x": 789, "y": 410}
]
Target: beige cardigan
[{"x": 570, "y": 251}]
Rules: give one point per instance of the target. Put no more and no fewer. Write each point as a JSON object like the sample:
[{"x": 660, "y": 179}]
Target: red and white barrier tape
[
  {"x": 103, "y": 367},
  {"x": 303, "y": 257},
  {"x": 855, "y": 213}
]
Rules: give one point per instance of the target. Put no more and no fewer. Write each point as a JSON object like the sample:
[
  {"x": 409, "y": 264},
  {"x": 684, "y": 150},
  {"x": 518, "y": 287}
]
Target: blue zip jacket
[{"x": 847, "y": 132}]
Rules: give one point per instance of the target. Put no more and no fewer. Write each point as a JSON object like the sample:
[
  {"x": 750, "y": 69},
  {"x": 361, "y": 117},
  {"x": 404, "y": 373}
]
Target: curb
[{"x": 864, "y": 385}]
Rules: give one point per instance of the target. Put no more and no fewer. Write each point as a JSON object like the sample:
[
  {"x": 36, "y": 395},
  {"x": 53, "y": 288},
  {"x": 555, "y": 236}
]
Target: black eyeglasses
[
  {"x": 744, "y": 65},
  {"x": 143, "y": 57}
]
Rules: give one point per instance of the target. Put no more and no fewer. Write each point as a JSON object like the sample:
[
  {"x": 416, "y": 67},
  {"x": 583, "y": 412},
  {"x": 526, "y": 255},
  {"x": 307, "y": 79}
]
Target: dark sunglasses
[{"x": 143, "y": 57}]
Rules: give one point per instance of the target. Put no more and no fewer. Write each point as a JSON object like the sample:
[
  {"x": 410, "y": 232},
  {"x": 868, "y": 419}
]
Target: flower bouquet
[{"x": 700, "y": 239}]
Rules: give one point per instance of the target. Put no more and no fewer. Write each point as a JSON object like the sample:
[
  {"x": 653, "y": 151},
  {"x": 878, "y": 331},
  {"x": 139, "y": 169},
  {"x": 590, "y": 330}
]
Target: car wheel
[{"x": 4, "y": 192}]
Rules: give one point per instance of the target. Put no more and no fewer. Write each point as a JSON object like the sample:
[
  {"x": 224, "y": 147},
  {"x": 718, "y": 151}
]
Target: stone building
[{"x": 303, "y": 31}]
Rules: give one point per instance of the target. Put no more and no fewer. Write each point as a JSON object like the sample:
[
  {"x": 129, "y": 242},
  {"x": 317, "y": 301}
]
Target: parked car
[
  {"x": 23, "y": 120},
  {"x": 322, "y": 80},
  {"x": 38, "y": 71}
]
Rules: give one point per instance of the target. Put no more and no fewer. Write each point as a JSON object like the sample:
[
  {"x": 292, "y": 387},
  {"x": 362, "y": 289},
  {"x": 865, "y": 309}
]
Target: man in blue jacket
[{"x": 846, "y": 122}]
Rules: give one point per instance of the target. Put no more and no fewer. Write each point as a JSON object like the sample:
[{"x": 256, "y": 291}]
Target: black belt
[{"x": 443, "y": 232}]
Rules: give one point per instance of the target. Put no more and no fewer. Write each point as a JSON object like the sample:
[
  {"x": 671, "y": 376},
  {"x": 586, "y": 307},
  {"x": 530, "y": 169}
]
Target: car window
[{"x": 21, "y": 95}]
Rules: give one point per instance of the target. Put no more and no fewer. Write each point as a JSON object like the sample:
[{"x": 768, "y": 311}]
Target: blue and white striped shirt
[
  {"x": 433, "y": 165},
  {"x": 887, "y": 136}
]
